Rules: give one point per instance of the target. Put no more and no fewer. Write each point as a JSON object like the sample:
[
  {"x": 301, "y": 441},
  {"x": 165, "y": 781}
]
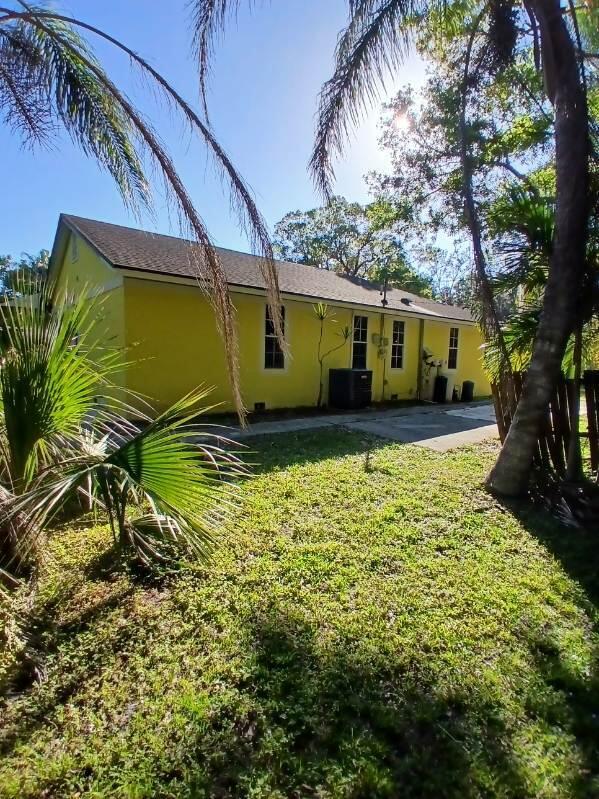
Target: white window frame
[
  {"x": 453, "y": 348},
  {"x": 266, "y": 335},
  {"x": 401, "y": 344},
  {"x": 364, "y": 341}
]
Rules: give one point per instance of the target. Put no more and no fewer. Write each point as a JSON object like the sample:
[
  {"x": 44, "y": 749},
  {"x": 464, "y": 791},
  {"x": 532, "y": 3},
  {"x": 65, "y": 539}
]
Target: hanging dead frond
[
  {"x": 49, "y": 39},
  {"x": 209, "y": 19}
]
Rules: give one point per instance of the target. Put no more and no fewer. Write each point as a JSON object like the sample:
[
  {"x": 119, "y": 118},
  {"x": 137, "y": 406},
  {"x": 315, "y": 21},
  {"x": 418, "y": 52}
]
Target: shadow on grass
[
  {"x": 45, "y": 636},
  {"x": 294, "y": 449},
  {"x": 332, "y": 722},
  {"x": 577, "y": 549}
]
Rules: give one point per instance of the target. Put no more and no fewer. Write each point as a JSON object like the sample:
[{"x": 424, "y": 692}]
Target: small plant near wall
[{"x": 323, "y": 313}]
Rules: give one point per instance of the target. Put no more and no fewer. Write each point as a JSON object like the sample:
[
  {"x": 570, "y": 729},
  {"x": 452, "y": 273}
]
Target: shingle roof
[{"x": 129, "y": 248}]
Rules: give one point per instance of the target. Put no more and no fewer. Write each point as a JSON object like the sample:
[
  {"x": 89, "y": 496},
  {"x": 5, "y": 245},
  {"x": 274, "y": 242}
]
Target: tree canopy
[
  {"x": 358, "y": 241},
  {"x": 23, "y": 275}
]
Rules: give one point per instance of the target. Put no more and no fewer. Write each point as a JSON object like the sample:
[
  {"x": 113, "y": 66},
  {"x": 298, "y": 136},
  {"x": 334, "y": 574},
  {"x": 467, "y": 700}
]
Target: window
[
  {"x": 397, "y": 342},
  {"x": 360, "y": 342},
  {"x": 273, "y": 354},
  {"x": 452, "y": 360}
]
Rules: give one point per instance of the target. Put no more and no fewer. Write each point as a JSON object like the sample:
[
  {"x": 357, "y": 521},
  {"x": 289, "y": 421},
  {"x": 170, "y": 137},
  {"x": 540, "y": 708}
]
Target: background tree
[
  {"x": 358, "y": 241},
  {"x": 23, "y": 275}
]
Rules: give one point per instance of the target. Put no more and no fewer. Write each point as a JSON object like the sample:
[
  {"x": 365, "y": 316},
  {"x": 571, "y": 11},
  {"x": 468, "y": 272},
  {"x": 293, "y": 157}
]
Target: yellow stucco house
[{"x": 154, "y": 308}]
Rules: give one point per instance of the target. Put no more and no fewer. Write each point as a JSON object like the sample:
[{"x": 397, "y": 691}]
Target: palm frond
[
  {"x": 180, "y": 474},
  {"x": 374, "y": 42},
  {"x": 250, "y": 219},
  {"x": 519, "y": 333},
  {"x": 57, "y": 30},
  {"x": 45, "y": 82},
  {"x": 209, "y": 19},
  {"x": 49, "y": 380}
]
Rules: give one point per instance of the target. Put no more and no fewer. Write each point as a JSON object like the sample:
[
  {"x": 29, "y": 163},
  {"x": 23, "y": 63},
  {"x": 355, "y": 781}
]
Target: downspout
[{"x": 420, "y": 349}]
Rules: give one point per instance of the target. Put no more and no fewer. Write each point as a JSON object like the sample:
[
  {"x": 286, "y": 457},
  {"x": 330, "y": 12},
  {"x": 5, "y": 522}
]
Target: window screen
[{"x": 397, "y": 344}]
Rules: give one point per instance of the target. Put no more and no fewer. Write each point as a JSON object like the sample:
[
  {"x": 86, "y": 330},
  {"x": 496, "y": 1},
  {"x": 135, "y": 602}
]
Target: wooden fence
[{"x": 555, "y": 438}]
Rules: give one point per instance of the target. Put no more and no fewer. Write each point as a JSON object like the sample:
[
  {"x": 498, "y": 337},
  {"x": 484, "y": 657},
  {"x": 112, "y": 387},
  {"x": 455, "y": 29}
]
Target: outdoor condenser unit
[{"x": 350, "y": 388}]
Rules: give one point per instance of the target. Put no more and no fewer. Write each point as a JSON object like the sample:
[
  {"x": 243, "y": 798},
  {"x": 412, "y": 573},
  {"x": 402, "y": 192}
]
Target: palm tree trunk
[{"x": 511, "y": 474}]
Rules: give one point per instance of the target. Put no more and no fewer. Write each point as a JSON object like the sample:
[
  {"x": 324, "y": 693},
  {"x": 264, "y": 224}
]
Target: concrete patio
[{"x": 436, "y": 427}]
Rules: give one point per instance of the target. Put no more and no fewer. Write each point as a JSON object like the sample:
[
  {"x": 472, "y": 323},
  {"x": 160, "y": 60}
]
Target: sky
[{"x": 266, "y": 76}]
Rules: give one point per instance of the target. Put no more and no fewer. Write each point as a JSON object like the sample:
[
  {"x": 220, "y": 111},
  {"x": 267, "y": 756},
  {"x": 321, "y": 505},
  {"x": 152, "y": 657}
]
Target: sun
[{"x": 401, "y": 121}]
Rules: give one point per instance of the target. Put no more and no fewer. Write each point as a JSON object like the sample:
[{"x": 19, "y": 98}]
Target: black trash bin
[
  {"x": 467, "y": 391},
  {"x": 440, "y": 390}
]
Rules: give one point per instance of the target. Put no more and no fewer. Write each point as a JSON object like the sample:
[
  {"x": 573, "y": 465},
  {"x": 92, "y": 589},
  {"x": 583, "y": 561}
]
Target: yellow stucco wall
[
  {"x": 169, "y": 333},
  {"x": 469, "y": 364},
  {"x": 83, "y": 270}
]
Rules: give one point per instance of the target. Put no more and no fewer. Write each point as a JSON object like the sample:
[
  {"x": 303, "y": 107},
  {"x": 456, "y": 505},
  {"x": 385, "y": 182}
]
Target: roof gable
[{"x": 137, "y": 250}]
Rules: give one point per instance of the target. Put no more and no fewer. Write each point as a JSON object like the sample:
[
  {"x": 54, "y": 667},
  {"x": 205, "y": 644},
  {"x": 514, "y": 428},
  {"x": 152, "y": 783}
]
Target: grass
[{"x": 377, "y": 627}]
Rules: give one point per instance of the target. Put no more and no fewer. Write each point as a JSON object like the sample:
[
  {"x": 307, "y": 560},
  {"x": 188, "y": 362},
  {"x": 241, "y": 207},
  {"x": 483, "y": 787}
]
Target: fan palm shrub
[{"x": 68, "y": 430}]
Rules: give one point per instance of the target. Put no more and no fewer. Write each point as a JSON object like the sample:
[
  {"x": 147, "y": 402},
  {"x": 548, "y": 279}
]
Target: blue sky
[{"x": 266, "y": 76}]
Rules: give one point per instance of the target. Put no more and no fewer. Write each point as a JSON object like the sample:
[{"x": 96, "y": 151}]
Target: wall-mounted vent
[{"x": 259, "y": 406}]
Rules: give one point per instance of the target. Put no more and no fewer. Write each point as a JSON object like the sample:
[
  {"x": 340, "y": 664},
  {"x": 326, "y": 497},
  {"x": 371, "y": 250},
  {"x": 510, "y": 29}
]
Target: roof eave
[{"x": 145, "y": 274}]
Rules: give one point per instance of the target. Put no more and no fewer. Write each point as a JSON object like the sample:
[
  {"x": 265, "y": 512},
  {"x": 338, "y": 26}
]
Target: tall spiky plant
[{"x": 49, "y": 78}]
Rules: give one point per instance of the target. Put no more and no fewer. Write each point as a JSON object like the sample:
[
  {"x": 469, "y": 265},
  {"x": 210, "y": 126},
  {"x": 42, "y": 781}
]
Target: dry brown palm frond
[
  {"x": 209, "y": 18},
  {"x": 212, "y": 277},
  {"x": 242, "y": 202},
  {"x": 210, "y": 272}
]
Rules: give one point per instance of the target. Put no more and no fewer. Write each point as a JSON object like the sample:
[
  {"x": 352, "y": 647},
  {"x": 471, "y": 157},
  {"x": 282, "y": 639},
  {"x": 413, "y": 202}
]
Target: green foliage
[
  {"x": 353, "y": 240},
  {"x": 49, "y": 383},
  {"x": 24, "y": 275},
  {"x": 522, "y": 222},
  {"x": 377, "y": 626},
  {"x": 68, "y": 431}
]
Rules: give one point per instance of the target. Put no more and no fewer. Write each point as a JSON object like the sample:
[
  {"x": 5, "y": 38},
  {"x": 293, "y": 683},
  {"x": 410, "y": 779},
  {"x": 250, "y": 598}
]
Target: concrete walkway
[{"x": 436, "y": 427}]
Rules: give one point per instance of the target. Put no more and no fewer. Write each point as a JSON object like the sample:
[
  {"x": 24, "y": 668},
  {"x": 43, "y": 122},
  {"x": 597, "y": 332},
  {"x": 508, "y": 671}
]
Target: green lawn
[{"x": 377, "y": 627}]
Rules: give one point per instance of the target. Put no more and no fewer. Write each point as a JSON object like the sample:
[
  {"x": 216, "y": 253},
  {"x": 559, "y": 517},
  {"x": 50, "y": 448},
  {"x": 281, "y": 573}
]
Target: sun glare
[{"x": 401, "y": 122}]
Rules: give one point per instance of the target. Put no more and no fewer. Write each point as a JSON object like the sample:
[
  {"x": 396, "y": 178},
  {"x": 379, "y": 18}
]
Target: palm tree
[
  {"x": 524, "y": 222},
  {"x": 375, "y": 41},
  {"x": 49, "y": 78},
  {"x": 68, "y": 431}
]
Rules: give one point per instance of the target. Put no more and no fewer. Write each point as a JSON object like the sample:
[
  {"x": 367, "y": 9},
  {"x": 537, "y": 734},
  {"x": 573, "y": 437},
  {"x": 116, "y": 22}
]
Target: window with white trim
[
  {"x": 360, "y": 342},
  {"x": 274, "y": 357},
  {"x": 452, "y": 358},
  {"x": 397, "y": 342}
]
